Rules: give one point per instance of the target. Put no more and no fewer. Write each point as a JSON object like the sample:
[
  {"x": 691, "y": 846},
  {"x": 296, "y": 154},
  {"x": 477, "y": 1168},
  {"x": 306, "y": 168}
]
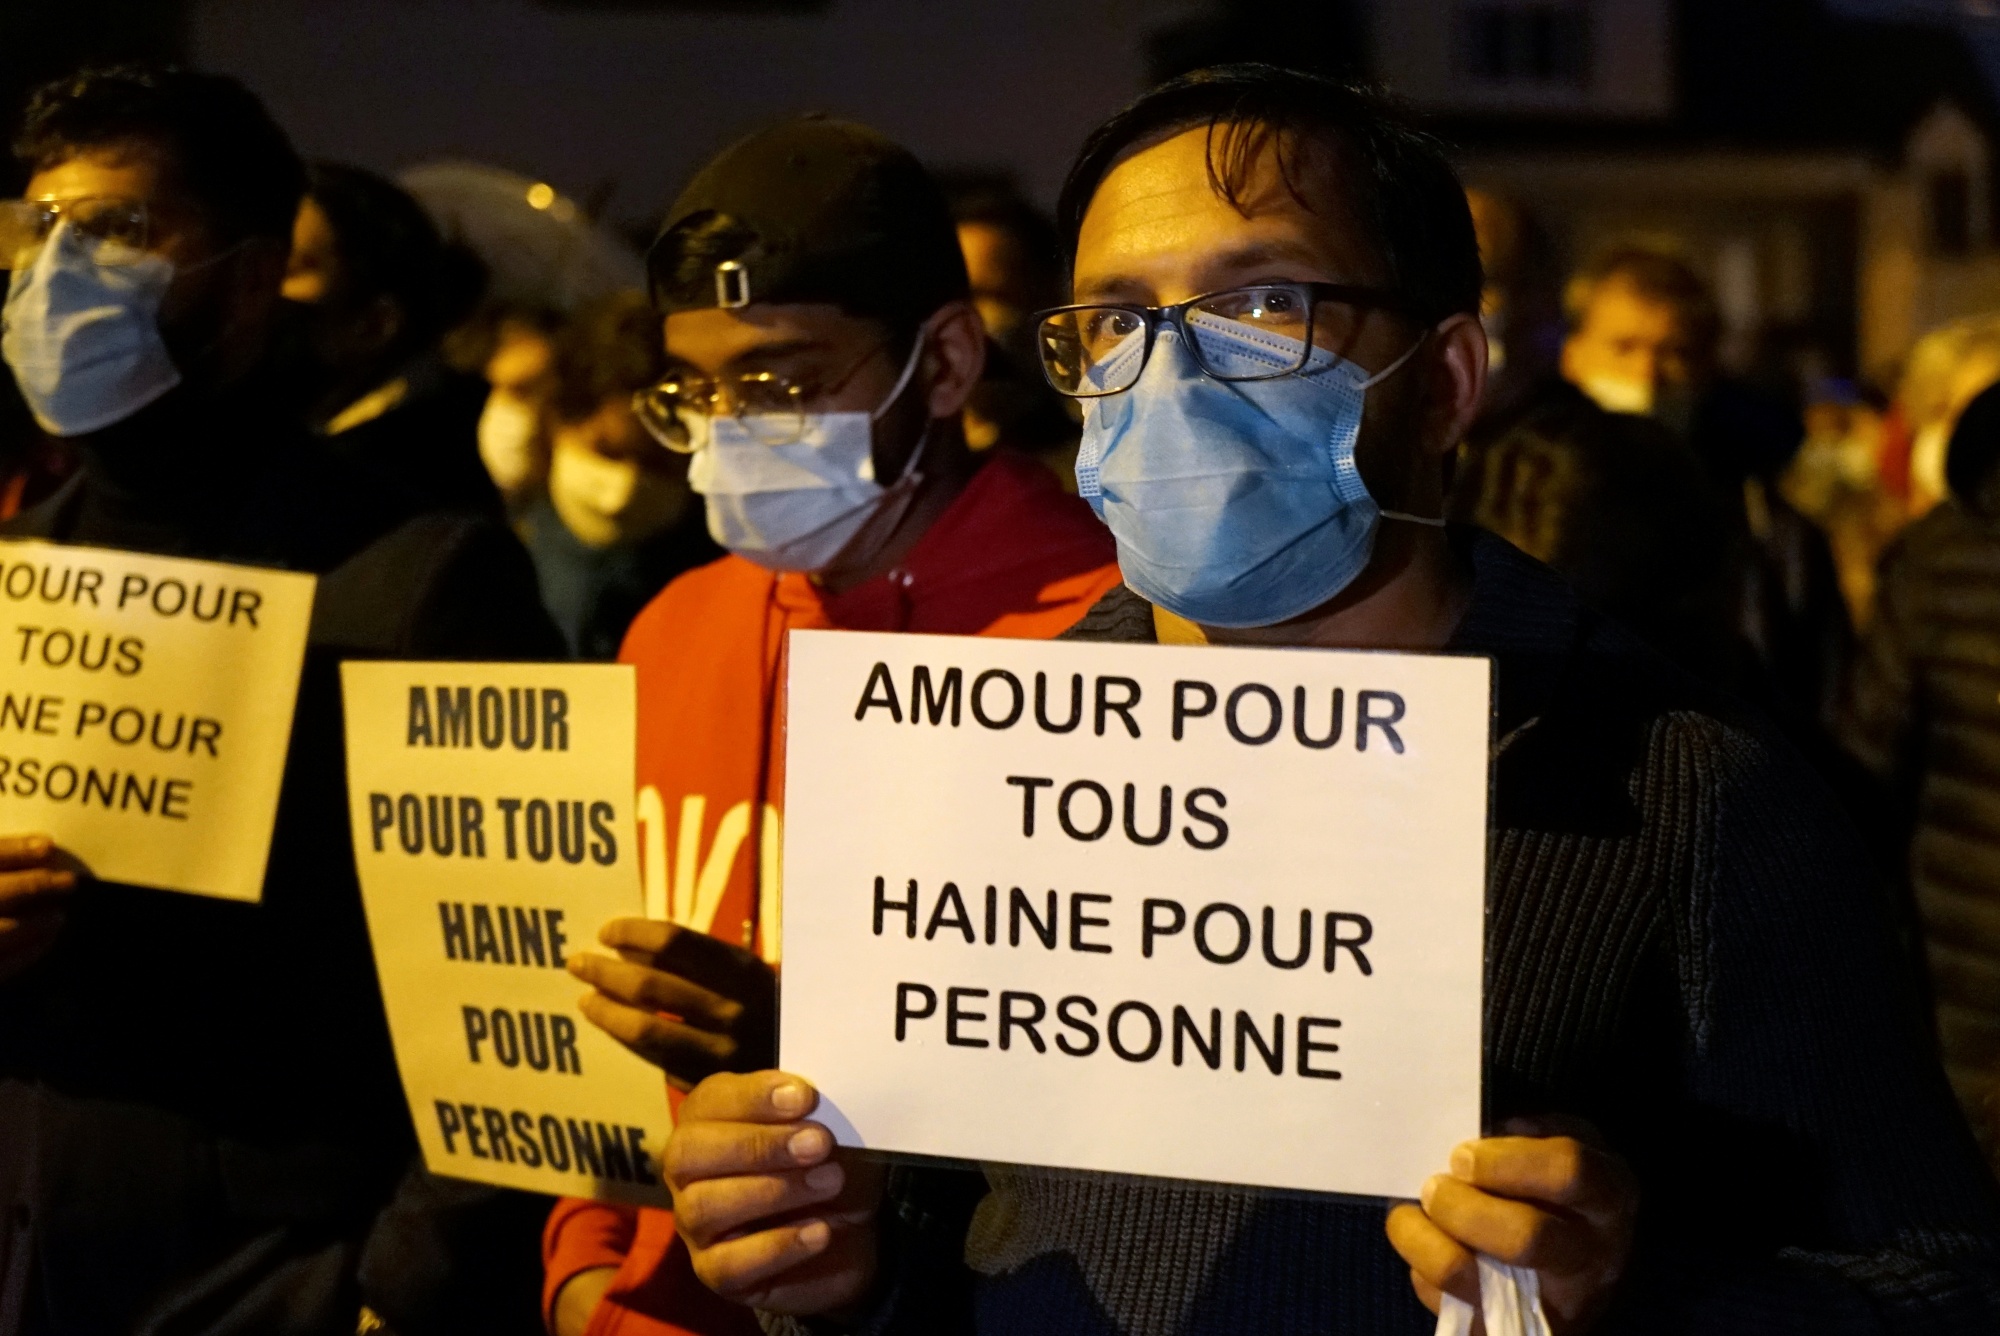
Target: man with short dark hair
[
  {"x": 201, "y": 1129},
  {"x": 821, "y": 343},
  {"x": 1709, "y": 1104},
  {"x": 1644, "y": 336}
]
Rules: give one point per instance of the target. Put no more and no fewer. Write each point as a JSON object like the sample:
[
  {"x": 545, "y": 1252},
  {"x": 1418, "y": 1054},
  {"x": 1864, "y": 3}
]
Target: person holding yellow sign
[{"x": 200, "y": 1123}]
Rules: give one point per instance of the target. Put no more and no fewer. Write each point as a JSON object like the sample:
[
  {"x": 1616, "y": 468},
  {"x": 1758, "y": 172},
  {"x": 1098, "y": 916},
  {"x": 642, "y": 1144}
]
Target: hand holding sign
[
  {"x": 146, "y": 709},
  {"x": 725, "y": 999},
  {"x": 32, "y": 888},
  {"x": 491, "y": 809},
  {"x": 1104, "y": 877},
  {"x": 1557, "y": 1204},
  {"x": 770, "y": 1217}
]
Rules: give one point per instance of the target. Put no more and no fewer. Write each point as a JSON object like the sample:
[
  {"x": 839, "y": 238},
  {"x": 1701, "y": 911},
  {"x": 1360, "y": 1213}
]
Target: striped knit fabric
[
  {"x": 1924, "y": 715},
  {"x": 1684, "y": 948}
]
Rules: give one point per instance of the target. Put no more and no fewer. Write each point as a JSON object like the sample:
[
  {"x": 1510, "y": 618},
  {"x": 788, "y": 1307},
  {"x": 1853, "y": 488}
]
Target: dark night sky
[{"x": 585, "y": 97}]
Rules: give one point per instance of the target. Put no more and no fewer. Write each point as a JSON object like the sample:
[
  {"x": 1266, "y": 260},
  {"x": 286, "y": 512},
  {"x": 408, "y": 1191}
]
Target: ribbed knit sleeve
[
  {"x": 1685, "y": 947},
  {"x": 1818, "y": 1178}
]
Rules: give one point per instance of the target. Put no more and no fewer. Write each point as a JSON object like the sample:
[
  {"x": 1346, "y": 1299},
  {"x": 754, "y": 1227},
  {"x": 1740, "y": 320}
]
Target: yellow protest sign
[
  {"x": 491, "y": 809},
  {"x": 146, "y": 708}
]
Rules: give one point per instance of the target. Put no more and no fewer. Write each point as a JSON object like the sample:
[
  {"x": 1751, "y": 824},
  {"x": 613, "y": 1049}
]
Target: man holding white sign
[
  {"x": 1707, "y": 1103},
  {"x": 200, "y": 1124}
]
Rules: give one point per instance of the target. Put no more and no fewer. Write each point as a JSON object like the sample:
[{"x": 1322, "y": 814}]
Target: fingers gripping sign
[
  {"x": 1558, "y": 1205},
  {"x": 772, "y": 1215},
  {"x": 33, "y": 885},
  {"x": 684, "y": 1001}
]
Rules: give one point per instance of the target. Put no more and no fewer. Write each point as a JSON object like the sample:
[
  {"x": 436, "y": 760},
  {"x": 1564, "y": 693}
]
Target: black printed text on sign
[
  {"x": 1204, "y": 913},
  {"x": 146, "y": 708},
  {"x": 492, "y": 821}
]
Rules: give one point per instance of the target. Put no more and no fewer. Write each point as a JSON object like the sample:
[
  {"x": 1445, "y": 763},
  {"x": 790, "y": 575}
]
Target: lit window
[{"x": 1523, "y": 43}]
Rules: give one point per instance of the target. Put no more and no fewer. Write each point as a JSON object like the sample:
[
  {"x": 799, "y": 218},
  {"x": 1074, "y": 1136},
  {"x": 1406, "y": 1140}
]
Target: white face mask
[
  {"x": 83, "y": 339},
  {"x": 507, "y": 427},
  {"x": 1618, "y": 394},
  {"x": 605, "y": 502},
  {"x": 797, "y": 507}
]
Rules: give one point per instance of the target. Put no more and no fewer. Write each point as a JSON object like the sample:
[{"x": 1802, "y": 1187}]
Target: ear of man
[
  {"x": 1457, "y": 371},
  {"x": 954, "y": 357}
]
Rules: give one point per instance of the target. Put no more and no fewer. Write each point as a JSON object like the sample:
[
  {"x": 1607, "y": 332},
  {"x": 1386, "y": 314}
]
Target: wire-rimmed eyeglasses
[
  {"x": 113, "y": 231},
  {"x": 772, "y": 407}
]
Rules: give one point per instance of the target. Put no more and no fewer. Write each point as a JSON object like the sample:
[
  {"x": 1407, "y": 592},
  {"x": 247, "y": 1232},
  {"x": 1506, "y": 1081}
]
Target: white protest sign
[
  {"x": 492, "y": 819},
  {"x": 146, "y": 709},
  {"x": 1205, "y": 913}
]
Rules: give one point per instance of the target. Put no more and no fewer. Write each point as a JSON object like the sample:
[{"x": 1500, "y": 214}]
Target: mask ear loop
[
  {"x": 903, "y": 381},
  {"x": 1428, "y": 521},
  {"x": 910, "y": 473},
  {"x": 1396, "y": 365}
]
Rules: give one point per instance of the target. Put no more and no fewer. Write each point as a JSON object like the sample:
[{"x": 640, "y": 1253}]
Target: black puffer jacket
[{"x": 1923, "y": 713}]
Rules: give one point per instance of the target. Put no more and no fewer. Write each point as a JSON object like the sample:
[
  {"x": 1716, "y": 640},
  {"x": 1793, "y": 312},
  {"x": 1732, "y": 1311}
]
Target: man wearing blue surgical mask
[
  {"x": 1697, "y": 1044},
  {"x": 201, "y": 1129}
]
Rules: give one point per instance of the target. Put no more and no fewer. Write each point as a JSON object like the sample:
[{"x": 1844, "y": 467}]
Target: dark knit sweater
[
  {"x": 1682, "y": 948},
  {"x": 200, "y": 1118}
]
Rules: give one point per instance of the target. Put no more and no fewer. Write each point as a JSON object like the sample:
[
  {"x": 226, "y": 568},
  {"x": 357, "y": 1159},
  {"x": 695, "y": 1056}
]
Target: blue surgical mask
[
  {"x": 83, "y": 338},
  {"x": 1234, "y": 503}
]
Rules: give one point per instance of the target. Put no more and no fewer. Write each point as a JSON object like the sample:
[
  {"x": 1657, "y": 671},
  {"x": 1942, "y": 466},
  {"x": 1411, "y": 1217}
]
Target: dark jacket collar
[{"x": 1522, "y": 615}]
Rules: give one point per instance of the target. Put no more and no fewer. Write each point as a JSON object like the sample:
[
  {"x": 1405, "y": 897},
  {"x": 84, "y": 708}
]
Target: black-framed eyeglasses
[
  {"x": 772, "y": 406},
  {"x": 1259, "y": 332},
  {"x": 113, "y": 231}
]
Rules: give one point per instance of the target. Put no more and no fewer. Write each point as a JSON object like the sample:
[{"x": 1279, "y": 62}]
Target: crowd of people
[{"x": 1269, "y": 376}]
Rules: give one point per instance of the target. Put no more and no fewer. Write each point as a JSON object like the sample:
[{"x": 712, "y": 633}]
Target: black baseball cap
[{"x": 810, "y": 210}]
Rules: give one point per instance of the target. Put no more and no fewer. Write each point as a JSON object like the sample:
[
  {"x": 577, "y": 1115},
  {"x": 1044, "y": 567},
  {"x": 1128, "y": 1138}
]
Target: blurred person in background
[
  {"x": 1643, "y": 340},
  {"x": 201, "y": 1126},
  {"x": 1642, "y": 336},
  {"x": 1620, "y": 508},
  {"x": 1836, "y": 482},
  {"x": 1012, "y": 260},
  {"x": 821, "y": 343},
  {"x": 1520, "y": 306},
  {"x": 617, "y": 521},
  {"x": 1921, "y": 715},
  {"x": 545, "y": 258},
  {"x": 516, "y": 355},
  {"x": 372, "y": 289},
  {"x": 1947, "y": 368}
]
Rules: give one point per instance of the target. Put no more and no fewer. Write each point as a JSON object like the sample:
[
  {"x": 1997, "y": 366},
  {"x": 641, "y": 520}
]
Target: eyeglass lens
[
  {"x": 677, "y": 409},
  {"x": 1099, "y": 350},
  {"x": 112, "y": 232}
]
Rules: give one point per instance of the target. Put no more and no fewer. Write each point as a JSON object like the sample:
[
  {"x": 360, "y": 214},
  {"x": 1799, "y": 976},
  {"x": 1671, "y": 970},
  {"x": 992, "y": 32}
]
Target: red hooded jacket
[{"x": 1012, "y": 556}]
